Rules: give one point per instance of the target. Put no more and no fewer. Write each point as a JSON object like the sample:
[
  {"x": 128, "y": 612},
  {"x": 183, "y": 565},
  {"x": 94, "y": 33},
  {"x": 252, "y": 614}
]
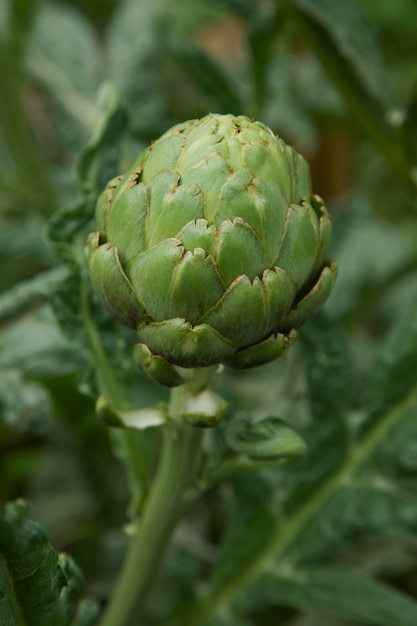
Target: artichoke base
[{"x": 168, "y": 373}]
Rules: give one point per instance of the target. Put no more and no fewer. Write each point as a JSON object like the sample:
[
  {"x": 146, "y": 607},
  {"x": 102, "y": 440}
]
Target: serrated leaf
[
  {"x": 251, "y": 521},
  {"x": 330, "y": 384},
  {"x": 372, "y": 243},
  {"x": 340, "y": 593},
  {"x": 35, "y": 346},
  {"x": 21, "y": 237},
  {"x": 394, "y": 374},
  {"x": 329, "y": 369},
  {"x": 324, "y": 520},
  {"x": 68, "y": 227},
  {"x": 97, "y": 162},
  {"x": 29, "y": 293},
  {"x": 46, "y": 586}
]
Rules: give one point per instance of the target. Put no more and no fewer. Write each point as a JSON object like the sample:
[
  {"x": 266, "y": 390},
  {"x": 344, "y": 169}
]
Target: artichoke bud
[{"x": 212, "y": 247}]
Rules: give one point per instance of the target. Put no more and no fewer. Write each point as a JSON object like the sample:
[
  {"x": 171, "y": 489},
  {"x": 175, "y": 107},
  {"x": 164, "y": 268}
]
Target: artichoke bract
[{"x": 212, "y": 247}]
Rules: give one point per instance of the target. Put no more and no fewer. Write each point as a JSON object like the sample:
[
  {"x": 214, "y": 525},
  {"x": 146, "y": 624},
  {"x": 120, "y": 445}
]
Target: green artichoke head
[{"x": 212, "y": 247}]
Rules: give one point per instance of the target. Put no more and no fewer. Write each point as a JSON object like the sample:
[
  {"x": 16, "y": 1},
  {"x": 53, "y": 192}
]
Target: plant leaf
[
  {"x": 29, "y": 292},
  {"x": 329, "y": 369},
  {"x": 341, "y": 42},
  {"x": 324, "y": 521},
  {"x": 340, "y": 593},
  {"x": 251, "y": 519},
  {"x": 70, "y": 224},
  {"x": 46, "y": 586},
  {"x": 97, "y": 162},
  {"x": 330, "y": 385},
  {"x": 394, "y": 374},
  {"x": 353, "y": 38},
  {"x": 35, "y": 346}
]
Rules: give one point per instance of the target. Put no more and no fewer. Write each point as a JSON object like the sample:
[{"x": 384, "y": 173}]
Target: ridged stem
[{"x": 180, "y": 455}]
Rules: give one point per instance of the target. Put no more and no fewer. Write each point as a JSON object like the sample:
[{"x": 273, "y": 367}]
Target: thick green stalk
[{"x": 164, "y": 507}]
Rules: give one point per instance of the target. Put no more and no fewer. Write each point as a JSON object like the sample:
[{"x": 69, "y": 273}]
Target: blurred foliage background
[{"x": 339, "y": 82}]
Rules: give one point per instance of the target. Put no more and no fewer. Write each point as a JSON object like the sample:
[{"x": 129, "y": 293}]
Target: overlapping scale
[
  {"x": 297, "y": 253},
  {"x": 268, "y": 211},
  {"x": 302, "y": 179},
  {"x": 199, "y": 145},
  {"x": 267, "y": 301},
  {"x": 104, "y": 203},
  {"x": 171, "y": 284},
  {"x": 163, "y": 154},
  {"x": 178, "y": 207},
  {"x": 130, "y": 179},
  {"x": 105, "y": 269},
  {"x": 182, "y": 344},
  {"x": 259, "y": 202},
  {"x": 198, "y": 234},
  {"x": 325, "y": 233},
  {"x": 234, "y": 152},
  {"x": 313, "y": 300},
  {"x": 210, "y": 175},
  {"x": 126, "y": 222},
  {"x": 267, "y": 163},
  {"x": 238, "y": 251},
  {"x": 265, "y": 351},
  {"x": 233, "y": 198}
]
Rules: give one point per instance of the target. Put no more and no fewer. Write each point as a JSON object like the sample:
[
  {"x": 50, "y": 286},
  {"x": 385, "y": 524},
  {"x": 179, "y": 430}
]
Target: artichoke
[{"x": 212, "y": 247}]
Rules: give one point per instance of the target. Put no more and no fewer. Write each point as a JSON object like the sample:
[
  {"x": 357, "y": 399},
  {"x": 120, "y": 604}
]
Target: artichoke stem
[{"x": 166, "y": 503}]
